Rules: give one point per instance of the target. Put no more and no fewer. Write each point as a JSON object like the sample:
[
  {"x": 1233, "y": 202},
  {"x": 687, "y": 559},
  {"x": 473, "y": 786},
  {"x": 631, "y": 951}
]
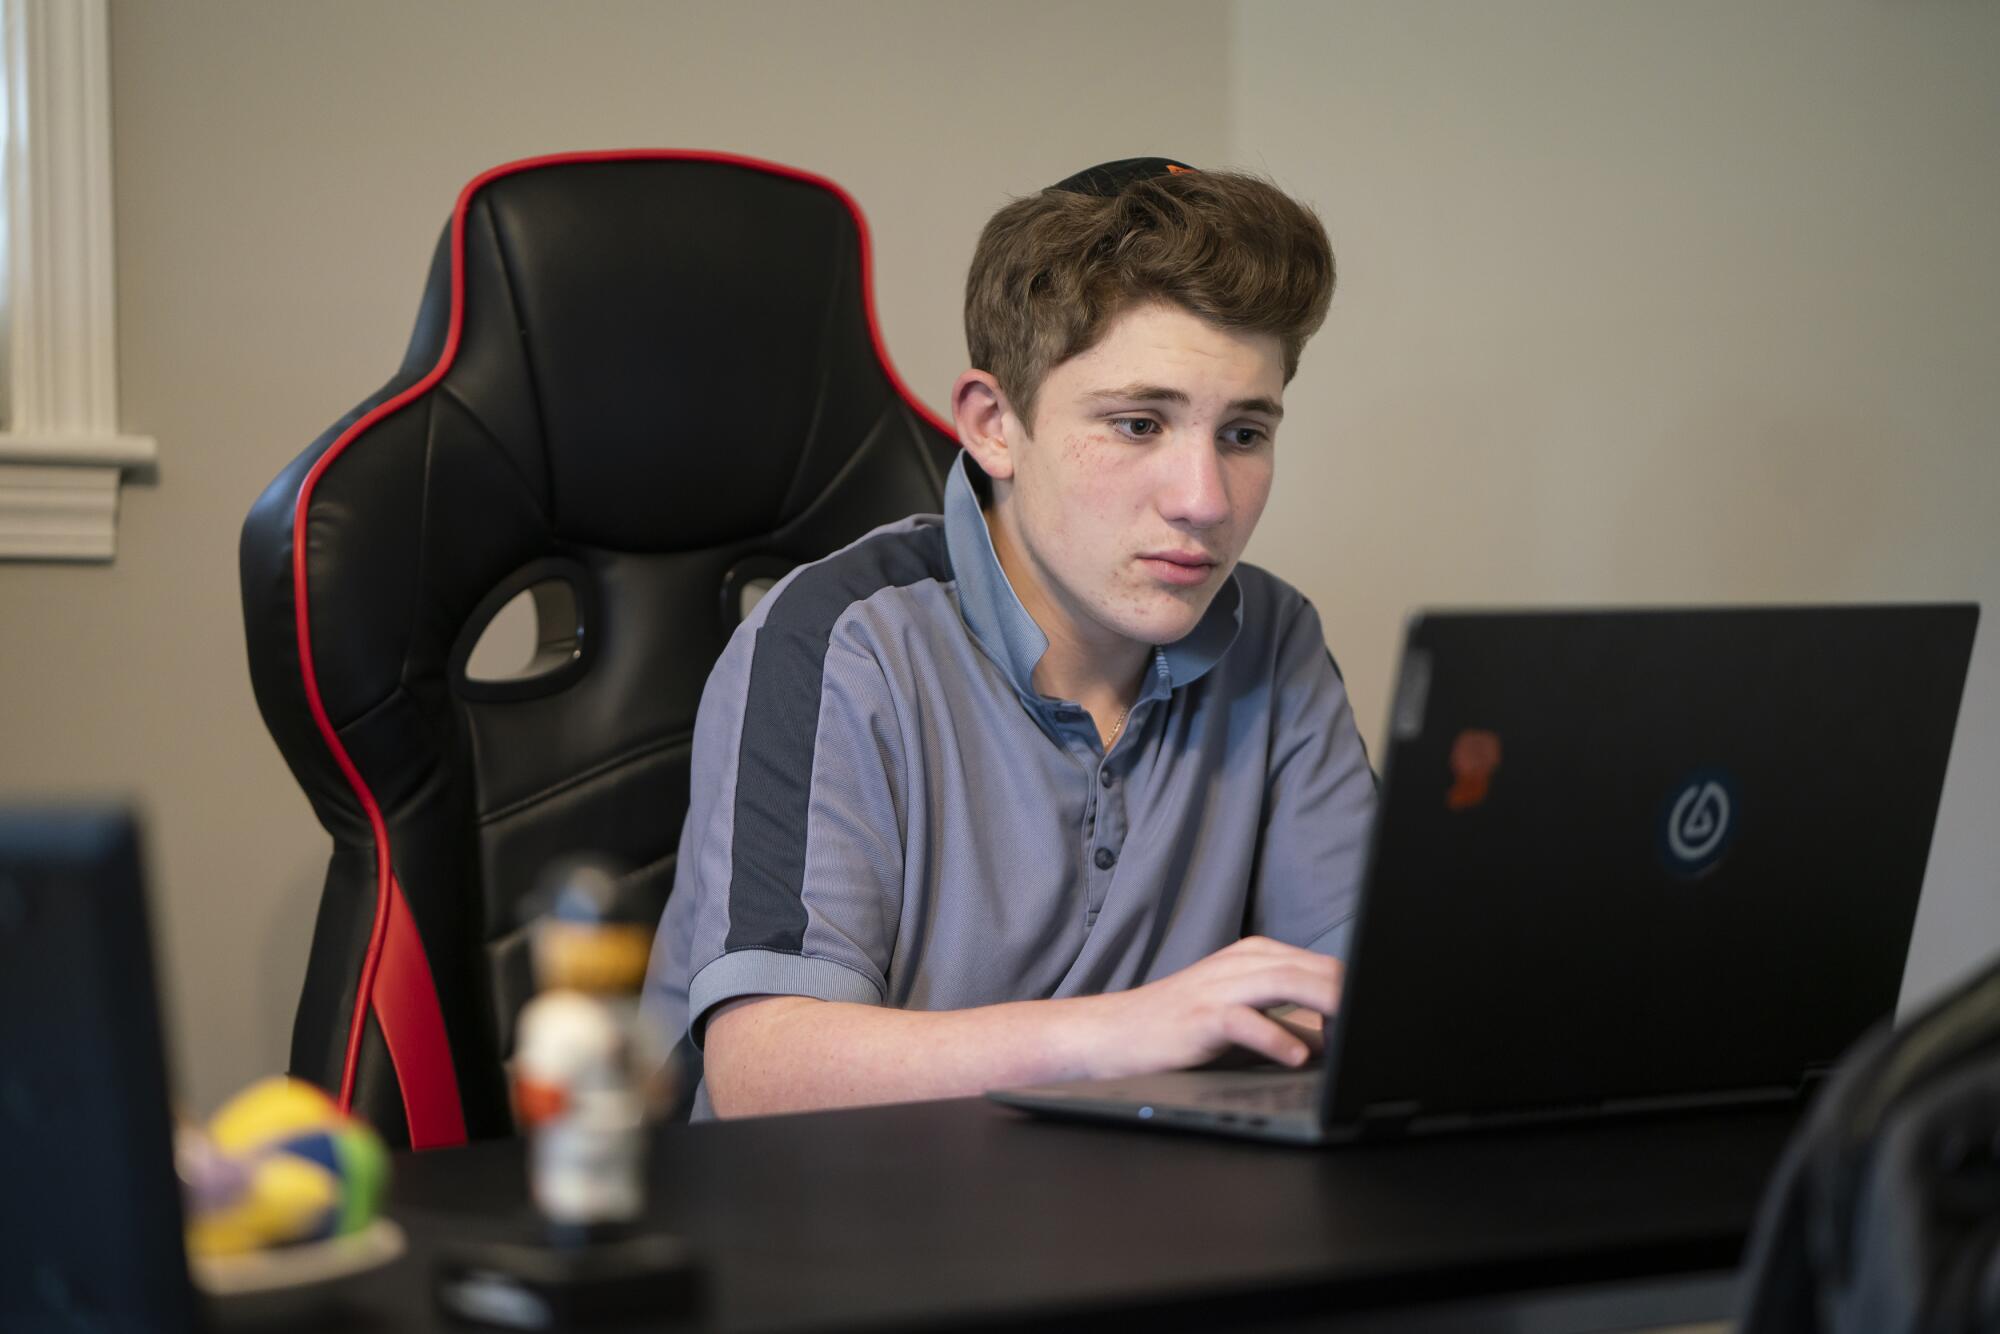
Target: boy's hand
[
  {"x": 1219, "y": 1003},
  {"x": 1307, "y": 1024}
]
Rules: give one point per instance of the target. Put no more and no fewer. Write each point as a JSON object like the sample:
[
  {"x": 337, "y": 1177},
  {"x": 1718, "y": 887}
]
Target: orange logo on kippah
[{"x": 1176, "y": 169}]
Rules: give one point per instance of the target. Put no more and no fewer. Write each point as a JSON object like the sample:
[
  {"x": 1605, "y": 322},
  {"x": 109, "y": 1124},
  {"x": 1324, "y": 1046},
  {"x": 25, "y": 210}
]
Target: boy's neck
[
  {"x": 1084, "y": 662},
  {"x": 1106, "y": 688}
]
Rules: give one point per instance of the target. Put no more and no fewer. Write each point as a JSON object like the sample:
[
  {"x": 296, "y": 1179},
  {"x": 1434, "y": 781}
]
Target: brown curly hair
[{"x": 1052, "y": 270}]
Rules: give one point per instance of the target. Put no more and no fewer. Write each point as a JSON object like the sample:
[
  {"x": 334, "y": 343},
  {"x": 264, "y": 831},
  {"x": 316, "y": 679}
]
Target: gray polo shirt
[{"x": 886, "y": 812}]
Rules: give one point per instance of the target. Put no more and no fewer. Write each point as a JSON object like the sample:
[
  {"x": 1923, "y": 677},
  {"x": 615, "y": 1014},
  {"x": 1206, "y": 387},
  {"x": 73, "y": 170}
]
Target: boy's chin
[{"x": 1168, "y": 623}]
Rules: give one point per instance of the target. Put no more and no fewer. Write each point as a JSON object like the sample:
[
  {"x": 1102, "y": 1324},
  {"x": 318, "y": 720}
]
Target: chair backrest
[{"x": 639, "y": 382}]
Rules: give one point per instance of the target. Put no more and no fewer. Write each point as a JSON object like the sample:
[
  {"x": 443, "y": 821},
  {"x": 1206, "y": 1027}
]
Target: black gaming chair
[{"x": 639, "y": 383}]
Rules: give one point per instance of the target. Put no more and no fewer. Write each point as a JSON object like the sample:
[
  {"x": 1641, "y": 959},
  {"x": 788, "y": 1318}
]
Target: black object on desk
[
  {"x": 532, "y": 1283},
  {"x": 966, "y": 1215},
  {"x": 90, "y": 1211}
]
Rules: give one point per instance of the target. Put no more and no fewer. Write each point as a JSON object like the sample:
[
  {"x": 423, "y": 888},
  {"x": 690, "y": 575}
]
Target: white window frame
[{"x": 61, "y": 455}]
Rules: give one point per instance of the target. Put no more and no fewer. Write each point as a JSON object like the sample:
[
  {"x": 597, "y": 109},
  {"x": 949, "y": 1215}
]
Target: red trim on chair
[
  {"x": 406, "y": 1007},
  {"x": 396, "y": 979}
]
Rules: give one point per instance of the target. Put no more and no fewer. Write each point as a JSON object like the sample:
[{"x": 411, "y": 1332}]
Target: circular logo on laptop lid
[{"x": 1702, "y": 814}]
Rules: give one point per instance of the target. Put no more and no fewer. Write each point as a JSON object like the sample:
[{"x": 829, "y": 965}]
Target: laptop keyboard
[{"x": 1275, "y": 1096}]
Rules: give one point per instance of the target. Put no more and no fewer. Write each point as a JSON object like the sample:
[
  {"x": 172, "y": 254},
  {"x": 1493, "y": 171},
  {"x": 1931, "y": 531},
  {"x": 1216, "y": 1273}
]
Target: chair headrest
[{"x": 667, "y": 350}]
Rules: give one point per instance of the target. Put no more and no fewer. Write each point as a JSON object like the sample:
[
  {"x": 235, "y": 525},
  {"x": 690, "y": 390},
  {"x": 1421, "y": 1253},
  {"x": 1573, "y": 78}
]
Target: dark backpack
[{"x": 1884, "y": 1214}]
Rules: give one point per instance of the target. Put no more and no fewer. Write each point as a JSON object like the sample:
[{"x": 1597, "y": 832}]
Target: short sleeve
[
  {"x": 1319, "y": 805},
  {"x": 790, "y": 879}
]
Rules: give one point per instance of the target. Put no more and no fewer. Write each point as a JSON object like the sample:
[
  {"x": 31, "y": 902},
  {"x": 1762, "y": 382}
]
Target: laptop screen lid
[
  {"x": 90, "y": 1215},
  {"x": 1642, "y": 855}
]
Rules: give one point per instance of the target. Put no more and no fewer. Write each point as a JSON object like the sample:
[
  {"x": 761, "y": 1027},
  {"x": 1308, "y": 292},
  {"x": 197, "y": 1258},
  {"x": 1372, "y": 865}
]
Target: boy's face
[{"x": 1143, "y": 476}]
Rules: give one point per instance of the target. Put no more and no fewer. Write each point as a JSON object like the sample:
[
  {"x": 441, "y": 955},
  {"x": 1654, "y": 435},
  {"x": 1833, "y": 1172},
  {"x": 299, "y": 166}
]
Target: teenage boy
[{"x": 1048, "y": 786}]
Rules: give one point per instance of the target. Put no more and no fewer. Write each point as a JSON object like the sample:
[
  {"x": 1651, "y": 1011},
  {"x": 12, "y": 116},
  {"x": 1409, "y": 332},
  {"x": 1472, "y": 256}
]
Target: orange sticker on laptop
[{"x": 1474, "y": 758}]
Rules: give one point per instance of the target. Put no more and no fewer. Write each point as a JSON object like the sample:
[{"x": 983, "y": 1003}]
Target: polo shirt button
[
  {"x": 1106, "y": 859},
  {"x": 1104, "y": 775}
]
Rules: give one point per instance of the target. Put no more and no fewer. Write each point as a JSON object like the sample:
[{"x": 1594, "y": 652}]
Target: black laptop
[
  {"x": 1624, "y": 861},
  {"x": 90, "y": 1212}
]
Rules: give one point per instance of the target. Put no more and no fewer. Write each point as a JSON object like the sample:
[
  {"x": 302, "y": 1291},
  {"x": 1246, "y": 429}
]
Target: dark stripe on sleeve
[{"x": 774, "y": 763}]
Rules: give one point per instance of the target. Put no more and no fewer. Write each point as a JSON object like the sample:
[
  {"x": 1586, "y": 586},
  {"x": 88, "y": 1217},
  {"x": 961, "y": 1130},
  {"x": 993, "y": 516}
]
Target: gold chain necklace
[{"x": 1117, "y": 727}]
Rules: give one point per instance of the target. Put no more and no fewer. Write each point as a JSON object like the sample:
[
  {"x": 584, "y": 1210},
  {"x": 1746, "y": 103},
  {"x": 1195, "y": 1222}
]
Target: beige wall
[
  {"x": 1649, "y": 302},
  {"x": 1638, "y": 301}
]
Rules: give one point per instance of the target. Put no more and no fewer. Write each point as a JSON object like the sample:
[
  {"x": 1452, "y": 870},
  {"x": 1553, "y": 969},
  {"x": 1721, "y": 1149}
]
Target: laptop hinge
[{"x": 1388, "y": 1119}]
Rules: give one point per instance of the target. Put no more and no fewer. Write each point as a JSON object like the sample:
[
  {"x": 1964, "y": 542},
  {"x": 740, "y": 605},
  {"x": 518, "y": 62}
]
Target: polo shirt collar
[{"x": 994, "y": 614}]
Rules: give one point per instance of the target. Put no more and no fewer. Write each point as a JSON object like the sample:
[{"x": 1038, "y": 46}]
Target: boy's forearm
[
  {"x": 788, "y": 1053},
  {"x": 791, "y": 1053}
]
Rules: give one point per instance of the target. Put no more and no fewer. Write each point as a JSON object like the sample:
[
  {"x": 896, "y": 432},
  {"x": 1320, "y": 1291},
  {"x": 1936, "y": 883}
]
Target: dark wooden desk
[{"x": 968, "y": 1215}]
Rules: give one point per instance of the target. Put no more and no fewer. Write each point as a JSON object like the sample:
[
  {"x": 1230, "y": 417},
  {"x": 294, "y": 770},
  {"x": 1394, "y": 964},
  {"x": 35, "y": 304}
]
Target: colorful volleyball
[
  {"x": 269, "y": 1110},
  {"x": 353, "y": 1153},
  {"x": 306, "y": 1171}
]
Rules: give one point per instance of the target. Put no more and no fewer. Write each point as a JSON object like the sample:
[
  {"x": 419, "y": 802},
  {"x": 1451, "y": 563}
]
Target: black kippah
[{"x": 1108, "y": 178}]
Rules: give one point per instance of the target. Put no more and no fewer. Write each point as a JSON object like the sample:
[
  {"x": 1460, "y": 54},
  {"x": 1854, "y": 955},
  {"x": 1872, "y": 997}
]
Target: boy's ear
[{"x": 980, "y": 410}]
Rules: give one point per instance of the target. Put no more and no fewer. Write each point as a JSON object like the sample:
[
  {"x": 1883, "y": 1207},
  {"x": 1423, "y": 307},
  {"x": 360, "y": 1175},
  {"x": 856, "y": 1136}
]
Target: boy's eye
[
  {"x": 1135, "y": 428},
  {"x": 1245, "y": 437}
]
